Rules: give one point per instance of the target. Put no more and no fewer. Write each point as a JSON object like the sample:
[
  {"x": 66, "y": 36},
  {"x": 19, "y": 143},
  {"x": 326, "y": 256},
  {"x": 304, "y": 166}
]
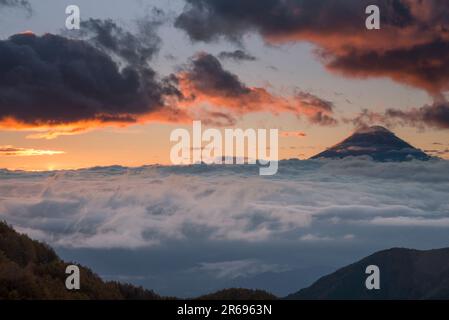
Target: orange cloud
[
  {"x": 205, "y": 81},
  {"x": 45, "y": 89},
  {"x": 65, "y": 101},
  {"x": 295, "y": 134},
  {"x": 169, "y": 114},
  {"x": 411, "y": 47},
  {"x": 26, "y": 152}
]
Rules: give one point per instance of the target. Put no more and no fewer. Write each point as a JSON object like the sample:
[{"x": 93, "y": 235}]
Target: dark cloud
[
  {"x": 207, "y": 75},
  {"x": 51, "y": 80},
  {"x": 208, "y": 20},
  {"x": 237, "y": 55},
  {"x": 317, "y": 109},
  {"x": 67, "y": 86},
  {"x": 435, "y": 115},
  {"x": 438, "y": 153},
  {"x": 412, "y": 46},
  {"x": 102, "y": 76},
  {"x": 218, "y": 119},
  {"x": 366, "y": 118},
  {"x": 133, "y": 48},
  {"x": 424, "y": 66},
  {"x": 22, "y": 4},
  {"x": 170, "y": 57}
]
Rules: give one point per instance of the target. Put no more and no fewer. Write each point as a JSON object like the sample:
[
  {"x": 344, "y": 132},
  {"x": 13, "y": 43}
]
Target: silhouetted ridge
[
  {"x": 32, "y": 270},
  {"x": 404, "y": 274}
]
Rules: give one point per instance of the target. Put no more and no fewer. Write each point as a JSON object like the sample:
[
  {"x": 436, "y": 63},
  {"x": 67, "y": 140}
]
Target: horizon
[{"x": 51, "y": 169}]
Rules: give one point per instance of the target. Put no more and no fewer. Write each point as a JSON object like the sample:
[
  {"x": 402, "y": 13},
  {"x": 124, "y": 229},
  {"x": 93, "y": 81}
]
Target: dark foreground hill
[
  {"x": 404, "y": 274},
  {"x": 32, "y": 270},
  {"x": 376, "y": 142}
]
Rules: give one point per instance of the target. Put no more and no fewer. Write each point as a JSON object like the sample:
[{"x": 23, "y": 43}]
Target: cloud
[
  {"x": 412, "y": 46},
  {"x": 444, "y": 153},
  {"x": 205, "y": 81},
  {"x": 116, "y": 207},
  {"x": 205, "y": 75},
  {"x": 313, "y": 237},
  {"x": 225, "y": 226},
  {"x": 434, "y": 115},
  {"x": 54, "y": 83},
  {"x": 26, "y": 152},
  {"x": 237, "y": 55},
  {"x": 411, "y": 222},
  {"x": 423, "y": 66},
  {"x": 297, "y": 134},
  {"x": 280, "y": 20},
  {"x": 239, "y": 268},
  {"x": 133, "y": 48},
  {"x": 21, "y": 4},
  {"x": 317, "y": 110}
]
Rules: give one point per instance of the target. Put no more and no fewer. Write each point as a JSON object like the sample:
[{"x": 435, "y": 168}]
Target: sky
[{"x": 141, "y": 69}]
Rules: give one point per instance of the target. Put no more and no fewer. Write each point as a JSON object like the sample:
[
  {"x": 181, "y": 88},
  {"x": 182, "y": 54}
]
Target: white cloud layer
[{"x": 308, "y": 201}]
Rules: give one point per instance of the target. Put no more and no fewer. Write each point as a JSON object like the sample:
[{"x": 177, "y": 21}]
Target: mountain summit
[{"x": 377, "y": 142}]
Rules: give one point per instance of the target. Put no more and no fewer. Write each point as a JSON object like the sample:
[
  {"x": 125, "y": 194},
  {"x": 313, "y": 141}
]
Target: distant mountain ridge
[
  {"x": 404, "y": 274},
  {"x": 376, "y": 142}
]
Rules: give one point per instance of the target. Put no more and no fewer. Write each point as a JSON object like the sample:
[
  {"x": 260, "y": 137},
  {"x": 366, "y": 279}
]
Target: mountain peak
[
  {"x": 373, "y": 129},
  {"x": 377, "y": 142}
]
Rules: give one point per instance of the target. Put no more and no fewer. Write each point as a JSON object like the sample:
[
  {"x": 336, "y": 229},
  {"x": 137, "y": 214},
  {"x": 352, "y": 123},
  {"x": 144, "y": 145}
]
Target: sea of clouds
[{"x": 234, "y": 224}]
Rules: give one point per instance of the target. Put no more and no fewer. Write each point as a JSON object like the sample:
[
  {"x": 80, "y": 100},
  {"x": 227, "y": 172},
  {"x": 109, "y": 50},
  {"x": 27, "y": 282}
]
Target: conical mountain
[{"x": 377, "y": 142}]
